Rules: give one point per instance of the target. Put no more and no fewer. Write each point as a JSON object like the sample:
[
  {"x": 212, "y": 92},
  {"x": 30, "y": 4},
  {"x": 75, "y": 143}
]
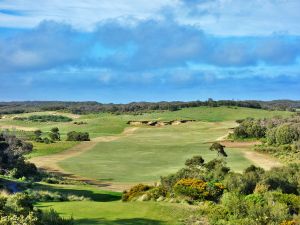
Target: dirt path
[
  {"x": 50, "y": 162},
  {"x": 262, "y": 160},
  {"x": 265, "y": 161}
]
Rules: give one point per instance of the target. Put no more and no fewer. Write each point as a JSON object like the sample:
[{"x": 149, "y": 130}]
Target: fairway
[{"x": 151, "y": 152}]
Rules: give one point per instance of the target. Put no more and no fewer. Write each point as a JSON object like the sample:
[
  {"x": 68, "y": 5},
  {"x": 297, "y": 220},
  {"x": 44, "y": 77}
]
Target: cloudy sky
[{"x": 141, "y": 50}]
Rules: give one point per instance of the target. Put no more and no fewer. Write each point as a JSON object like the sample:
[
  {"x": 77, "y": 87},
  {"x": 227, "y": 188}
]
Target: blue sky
[{"x": 140, "y": 50}]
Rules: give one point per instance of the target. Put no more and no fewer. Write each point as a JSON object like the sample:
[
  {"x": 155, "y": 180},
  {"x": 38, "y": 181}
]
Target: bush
[
  {"x": 78, "y": 136},
  {"x": 48, "y": 118},
  {"x": 48, "y": 196},
  {"x": 134, "y": 192},
  {"x": 52, "y": 218},
  {"x": 198, "y": 189},
  {"x": 286, "y": 134},
  {"x": 158, "y": 192},
  {"x": 18, "y": 209}
]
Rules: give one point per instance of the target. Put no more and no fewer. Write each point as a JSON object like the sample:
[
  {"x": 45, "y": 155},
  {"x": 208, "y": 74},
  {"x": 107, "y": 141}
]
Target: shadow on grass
[
  {"x": 99, "y": 196},
  {"x": 133, "y": 221}
]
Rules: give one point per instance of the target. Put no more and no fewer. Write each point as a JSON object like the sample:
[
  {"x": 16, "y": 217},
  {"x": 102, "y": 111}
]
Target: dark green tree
[
  {"x": 219, "y": 148},
  {"x": 54, "y": 135}
]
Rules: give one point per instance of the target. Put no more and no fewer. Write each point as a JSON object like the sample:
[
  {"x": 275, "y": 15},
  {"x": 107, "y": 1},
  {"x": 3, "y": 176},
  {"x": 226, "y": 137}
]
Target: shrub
[
  {"x": 285, "y": 134},
  {"x": 52, "y": 218},
  {"x": 78, "y": 136},
  {"x": 19, "y": 203},
  {"x": 48, "y": 196},
  {"x": 158, "y": 192},
  {"x": 134, "y": 192},
  {"x": 48, "y": 118},
  {"x": 197, "y": 189}
]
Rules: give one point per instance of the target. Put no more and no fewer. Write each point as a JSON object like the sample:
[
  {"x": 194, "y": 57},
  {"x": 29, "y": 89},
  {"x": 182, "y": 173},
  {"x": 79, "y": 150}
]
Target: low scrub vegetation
[
  {"x": 49, "y": 196},
  {"x": 280, "y": 136},
  {"x": 78, "y": 136},
  {"x": 18, "y": 209},
  {"x": 45, "y": 118},
  {"x": 224, "y": 197}
]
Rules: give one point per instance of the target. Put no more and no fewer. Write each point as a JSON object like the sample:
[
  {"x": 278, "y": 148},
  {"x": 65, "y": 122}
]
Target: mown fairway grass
[
  {"x": 119, "y": 213},
  {"x": 106, "y": 208},
  {"x": 104, "y": 124},
  {"x": 152, "y": 152}
]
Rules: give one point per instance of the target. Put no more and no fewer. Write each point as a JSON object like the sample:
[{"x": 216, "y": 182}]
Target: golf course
[{"x": 120, "y": 155}]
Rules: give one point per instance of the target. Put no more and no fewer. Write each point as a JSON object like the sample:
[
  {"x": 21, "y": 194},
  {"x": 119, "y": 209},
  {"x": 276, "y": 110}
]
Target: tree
[
  {"x": 195, "y": 161},
  {"x": 38, "y": 134},
  {"x": 219, "y": 148},
  {"x": 55, "y": 135},
  {"x": 12, "y": 150},
  {"x": 78, "y": 136}
]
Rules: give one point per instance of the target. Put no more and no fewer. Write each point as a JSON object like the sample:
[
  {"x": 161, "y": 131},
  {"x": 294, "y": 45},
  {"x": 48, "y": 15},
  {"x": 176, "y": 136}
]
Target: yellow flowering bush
[{"x": 198, "y": 189}]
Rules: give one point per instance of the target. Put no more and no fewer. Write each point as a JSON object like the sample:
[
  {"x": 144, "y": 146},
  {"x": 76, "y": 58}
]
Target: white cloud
[
  {"x": 221, "y": 17},
  {"x": 82, "y": 14},
  {"x": 240, "y": 17}
]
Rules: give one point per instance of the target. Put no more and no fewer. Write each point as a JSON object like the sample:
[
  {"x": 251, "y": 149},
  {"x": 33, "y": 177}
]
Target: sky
[{"x": 139, "y": 50}]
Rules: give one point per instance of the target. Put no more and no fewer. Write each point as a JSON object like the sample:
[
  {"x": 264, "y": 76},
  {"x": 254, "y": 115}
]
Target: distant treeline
[{"x": 137, "y": 107}]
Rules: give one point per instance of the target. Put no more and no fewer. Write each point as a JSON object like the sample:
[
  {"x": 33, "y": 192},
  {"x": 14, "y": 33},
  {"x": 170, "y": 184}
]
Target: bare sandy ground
[
  {"x": 262, "y": 160},
  {"x": 50, "y": 162}
]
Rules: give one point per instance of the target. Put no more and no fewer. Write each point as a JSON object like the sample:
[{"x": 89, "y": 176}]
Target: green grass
[
  {"x": 152, "y": 152},
  {"x": 106, "y": 208},
  {"x": 213, "y": 114},
  {"x": 117, "y": 213},
  {"x": 97, "y": 124},
  {"x": 107, "y": 124},
  {"x": 143, "y": 156},
  {"x": 41, "y": 149}
]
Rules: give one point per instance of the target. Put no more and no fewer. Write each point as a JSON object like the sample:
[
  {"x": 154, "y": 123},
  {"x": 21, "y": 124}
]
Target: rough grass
[
  {"x": 96, "y": 124},
  {"x": 41, "y": 149}
]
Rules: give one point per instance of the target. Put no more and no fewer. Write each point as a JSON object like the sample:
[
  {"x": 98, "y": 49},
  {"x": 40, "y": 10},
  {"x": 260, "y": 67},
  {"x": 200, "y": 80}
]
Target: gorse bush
[
  {"x": 254, "y": 197},
  {"x": 198, "y": 189},
  {"x": 135, "y": 191}
]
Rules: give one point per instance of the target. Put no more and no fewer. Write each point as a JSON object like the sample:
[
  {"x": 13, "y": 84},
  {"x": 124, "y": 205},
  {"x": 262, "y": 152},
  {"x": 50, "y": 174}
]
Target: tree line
[{"x": 137, "y": 107}]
